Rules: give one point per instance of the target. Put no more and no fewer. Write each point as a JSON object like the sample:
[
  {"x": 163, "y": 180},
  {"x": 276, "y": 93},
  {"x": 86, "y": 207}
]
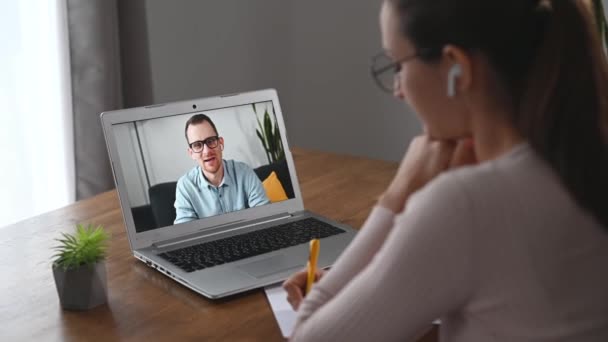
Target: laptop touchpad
[{"x": 271, "y": 265}]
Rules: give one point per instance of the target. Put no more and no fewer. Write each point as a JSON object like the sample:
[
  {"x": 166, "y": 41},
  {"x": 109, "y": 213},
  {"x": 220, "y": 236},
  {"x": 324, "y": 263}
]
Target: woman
[{"x": 514, "y": 248}]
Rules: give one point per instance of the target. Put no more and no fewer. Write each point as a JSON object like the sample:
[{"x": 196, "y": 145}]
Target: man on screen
[{"x": 215, "y": 185}]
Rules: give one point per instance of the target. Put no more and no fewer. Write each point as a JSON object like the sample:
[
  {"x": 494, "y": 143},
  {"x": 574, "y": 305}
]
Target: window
[{"x": 36, "y": 150}]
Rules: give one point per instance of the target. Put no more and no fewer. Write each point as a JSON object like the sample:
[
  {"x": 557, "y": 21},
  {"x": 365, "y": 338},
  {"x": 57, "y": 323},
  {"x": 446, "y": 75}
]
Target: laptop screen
[{"x": 186, "y": 167}]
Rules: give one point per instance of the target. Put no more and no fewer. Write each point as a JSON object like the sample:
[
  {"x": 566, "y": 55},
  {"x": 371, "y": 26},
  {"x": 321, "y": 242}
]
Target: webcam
[{"x": 193, "y": 106}]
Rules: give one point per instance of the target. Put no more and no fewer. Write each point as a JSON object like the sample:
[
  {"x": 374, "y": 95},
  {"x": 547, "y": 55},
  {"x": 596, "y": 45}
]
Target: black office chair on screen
[
  {"x": 282, "y": 171},
  {"x": 162, "y": 201}
]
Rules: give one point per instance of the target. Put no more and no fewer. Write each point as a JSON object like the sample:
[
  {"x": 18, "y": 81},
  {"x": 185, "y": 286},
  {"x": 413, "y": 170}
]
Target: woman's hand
[
  {"x": 296, "y": 286},
  {"x": 464, "y": 154},
  {"x": 423, "y": 161}
]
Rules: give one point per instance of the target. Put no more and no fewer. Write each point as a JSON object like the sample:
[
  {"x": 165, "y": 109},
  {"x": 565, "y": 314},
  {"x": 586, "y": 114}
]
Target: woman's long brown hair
[{"x": 550, "y": 58}]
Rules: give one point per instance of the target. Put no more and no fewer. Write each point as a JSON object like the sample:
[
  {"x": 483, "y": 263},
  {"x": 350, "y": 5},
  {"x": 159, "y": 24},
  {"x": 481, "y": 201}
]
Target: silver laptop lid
[{"x": 149, "y": 152}]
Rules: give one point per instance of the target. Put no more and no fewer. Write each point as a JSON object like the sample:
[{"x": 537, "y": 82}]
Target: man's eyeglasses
[
  {"x": 199, "y": 145},
  {"x": 385, "y": 71}
]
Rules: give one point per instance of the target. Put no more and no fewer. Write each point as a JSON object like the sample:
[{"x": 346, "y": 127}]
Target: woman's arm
[
  {"x": 422, "y": 271},
  {"x": 423, "y": 161},
  {"x": 352, "y": 260}
]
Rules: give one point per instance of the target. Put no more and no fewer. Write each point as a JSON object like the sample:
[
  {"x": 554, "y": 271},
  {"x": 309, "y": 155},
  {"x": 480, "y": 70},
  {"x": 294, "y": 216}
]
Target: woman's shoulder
[
  {"x": 492, "y": 183},
  {"x": 518, "y": 189},
  {"x": 444, "y": 199},
  {"x": 516, "y": 172}
]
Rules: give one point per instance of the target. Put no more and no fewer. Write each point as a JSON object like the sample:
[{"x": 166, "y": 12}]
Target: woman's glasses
[{"x": 385, "y": 71}]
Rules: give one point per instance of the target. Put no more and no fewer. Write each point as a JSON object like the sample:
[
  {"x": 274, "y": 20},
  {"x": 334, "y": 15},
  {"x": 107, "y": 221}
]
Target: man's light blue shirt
[{"x": 196, "y": 198}]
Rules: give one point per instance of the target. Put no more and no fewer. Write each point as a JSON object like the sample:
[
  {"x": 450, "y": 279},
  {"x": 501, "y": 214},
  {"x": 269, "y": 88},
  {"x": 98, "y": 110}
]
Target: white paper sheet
[{"x": 283, "y": 313}]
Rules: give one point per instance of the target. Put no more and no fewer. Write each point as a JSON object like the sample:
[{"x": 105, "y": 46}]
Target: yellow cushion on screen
[{"x": 274, "y": 188}]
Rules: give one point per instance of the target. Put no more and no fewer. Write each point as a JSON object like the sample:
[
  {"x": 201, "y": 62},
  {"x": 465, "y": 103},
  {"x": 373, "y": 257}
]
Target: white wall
[
  {"x": 332, "y": 91},
  {"x": 132, "y": 163},
  {"x": 204, "y": 48},
  {"x": 315, "y": 53},
  {"x": 164, "y": 150}
]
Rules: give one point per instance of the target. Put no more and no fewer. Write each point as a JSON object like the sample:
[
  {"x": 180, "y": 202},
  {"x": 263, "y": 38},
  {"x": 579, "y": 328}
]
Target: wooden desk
[{"x": 144, "y": 305}]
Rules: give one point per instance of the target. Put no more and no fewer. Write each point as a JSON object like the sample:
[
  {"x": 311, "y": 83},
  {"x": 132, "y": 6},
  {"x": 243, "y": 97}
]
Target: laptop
[{"x": 175, "y": 217}]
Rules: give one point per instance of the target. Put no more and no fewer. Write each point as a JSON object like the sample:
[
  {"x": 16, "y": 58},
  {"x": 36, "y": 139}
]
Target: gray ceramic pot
[{"x": 83, "y": 288}]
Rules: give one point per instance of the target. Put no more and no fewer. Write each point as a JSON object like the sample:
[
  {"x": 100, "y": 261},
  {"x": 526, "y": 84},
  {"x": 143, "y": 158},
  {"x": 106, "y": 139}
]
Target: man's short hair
[{"x": 198, "y": 119}]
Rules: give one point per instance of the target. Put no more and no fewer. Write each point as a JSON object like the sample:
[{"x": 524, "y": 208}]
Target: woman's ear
[
  {"x": 458, "y": 74},
  {"x": 455, "y": 71}
]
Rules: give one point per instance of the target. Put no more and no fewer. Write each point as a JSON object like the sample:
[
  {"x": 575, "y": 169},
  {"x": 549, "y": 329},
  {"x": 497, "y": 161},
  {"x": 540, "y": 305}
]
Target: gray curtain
[
  {"x": 103, "y": 36},
  {"x": 135, "y": 53},
  {"x": 96, "y": 87}
]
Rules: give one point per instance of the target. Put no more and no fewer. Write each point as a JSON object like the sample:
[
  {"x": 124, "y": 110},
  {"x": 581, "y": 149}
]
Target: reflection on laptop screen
[{"x": 187, "y": 167}]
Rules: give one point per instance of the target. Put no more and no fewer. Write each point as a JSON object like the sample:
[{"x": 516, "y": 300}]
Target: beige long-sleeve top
[{"x": 498, "y": 251}]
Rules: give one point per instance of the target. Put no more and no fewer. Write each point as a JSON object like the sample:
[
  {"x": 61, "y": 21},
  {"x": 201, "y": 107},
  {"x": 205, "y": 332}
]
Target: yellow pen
[{"x": 312, "y": 263}]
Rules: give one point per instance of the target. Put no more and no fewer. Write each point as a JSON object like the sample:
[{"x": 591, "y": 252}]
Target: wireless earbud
[{"x": 454, "y": 72}]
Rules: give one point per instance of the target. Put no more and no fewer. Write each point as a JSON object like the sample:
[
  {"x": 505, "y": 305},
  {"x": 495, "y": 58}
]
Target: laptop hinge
[{"x": 218, "y": 230}]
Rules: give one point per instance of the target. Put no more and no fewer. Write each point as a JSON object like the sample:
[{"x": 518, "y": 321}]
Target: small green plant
[
  {"x": 270, "y": 136},
  {"x": 85, "y": 247}
]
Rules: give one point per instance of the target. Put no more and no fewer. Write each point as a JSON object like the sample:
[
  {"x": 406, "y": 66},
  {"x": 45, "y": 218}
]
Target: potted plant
[
  {"x": 270, "y": 136},
  {"x": 79, "y": 268}
]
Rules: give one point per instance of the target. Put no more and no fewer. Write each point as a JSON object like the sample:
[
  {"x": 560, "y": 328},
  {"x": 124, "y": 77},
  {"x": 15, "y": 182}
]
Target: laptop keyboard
[{"x": 213, "y": 253}]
